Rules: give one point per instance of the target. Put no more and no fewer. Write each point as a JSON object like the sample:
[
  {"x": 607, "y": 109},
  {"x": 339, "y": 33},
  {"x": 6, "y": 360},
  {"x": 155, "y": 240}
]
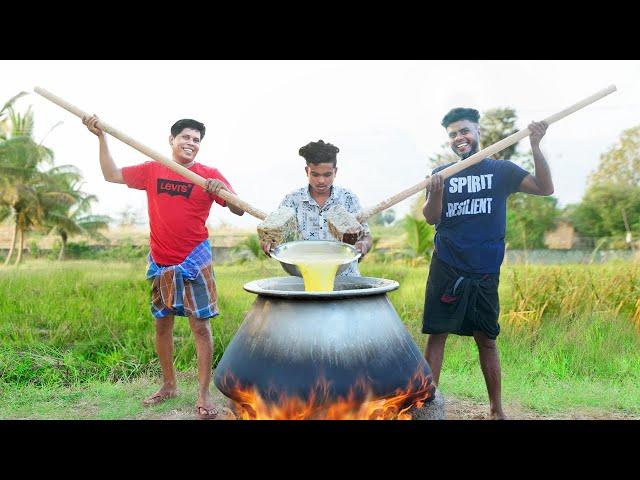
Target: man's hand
[
  {"x": 363, "y": 246},
  {"x": 436, "y": 183},
  {"x": 214, "y": 186},
  {"x": 91, "y": 122},
  {"x": 266, "y": 248},
  {"x": 432, "y": 207},
  {"x": 537, "y": 129}
]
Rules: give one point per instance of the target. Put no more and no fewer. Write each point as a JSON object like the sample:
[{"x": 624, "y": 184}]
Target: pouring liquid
[{"x": 318, "y": 269}]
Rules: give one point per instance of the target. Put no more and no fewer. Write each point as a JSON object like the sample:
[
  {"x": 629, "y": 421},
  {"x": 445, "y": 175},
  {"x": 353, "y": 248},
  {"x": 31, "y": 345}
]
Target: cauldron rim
[{"x": 367, "y": 286}]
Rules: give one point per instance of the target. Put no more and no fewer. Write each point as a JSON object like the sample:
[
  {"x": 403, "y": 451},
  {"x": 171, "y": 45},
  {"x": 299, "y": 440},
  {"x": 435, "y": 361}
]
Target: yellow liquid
[
  {"x": 318, "y": 276},
  {"x": 318, "y": 269}
]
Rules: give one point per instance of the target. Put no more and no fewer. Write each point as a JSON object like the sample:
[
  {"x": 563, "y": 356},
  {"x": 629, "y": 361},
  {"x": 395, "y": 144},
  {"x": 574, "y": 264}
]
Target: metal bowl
[{"x": 303, "y": 246}]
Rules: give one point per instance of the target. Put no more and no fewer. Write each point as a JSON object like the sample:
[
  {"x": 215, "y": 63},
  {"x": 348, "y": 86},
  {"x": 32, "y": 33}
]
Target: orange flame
[{"x": 249, "y": 404}]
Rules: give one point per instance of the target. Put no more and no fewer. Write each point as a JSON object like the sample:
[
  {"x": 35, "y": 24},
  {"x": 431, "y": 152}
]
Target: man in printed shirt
[
  {"x": 180, "y": 267},
  {"x": 469, "y": 212},
  {"x": 312, "y": 202}
]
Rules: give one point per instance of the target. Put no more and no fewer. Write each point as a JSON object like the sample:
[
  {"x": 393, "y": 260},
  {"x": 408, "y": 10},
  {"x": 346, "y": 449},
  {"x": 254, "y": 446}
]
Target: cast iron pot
[{"x": 291, "y": 338}]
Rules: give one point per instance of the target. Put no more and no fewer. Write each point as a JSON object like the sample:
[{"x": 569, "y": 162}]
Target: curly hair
[
  {"x": 180, "y": 125},
  {"x": 319, "y": 152},
  {"x": 456, "y": 114}
]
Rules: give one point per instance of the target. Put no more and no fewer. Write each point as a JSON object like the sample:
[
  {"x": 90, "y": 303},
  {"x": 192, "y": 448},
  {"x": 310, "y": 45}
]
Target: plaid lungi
[{"x": 187, "y": 289}]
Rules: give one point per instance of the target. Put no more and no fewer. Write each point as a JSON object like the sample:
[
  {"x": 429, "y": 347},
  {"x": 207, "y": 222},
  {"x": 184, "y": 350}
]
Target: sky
[{"x": 383, "y": 115}]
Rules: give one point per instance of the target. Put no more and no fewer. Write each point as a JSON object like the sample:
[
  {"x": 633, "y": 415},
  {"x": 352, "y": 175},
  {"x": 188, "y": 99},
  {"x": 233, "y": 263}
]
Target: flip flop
[
  {"x": 210, "y": 413},
  {"x": 158, "y": 398}
]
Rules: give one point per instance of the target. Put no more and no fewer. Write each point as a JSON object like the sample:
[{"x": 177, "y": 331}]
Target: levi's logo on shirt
[{"x": 174, "y": 187}]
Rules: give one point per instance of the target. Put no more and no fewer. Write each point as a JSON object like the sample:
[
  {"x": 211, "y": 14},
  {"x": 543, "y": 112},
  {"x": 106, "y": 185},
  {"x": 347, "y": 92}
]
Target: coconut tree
[
  {"x": 39, "y": 197},
  {"x": 88, "y": 225},
  {"x": 5, "y": 126},
  {"x": 26, "y": 192},
  {"x": 5, "y": 131},
  {"x": 419, "y": 238},
  {"x": 19, "y": 181},
  {"x": 69, "y": 219}
]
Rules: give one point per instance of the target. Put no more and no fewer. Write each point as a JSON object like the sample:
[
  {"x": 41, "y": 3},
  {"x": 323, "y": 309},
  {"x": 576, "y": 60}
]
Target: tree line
[{"x": 35, "y": 194}]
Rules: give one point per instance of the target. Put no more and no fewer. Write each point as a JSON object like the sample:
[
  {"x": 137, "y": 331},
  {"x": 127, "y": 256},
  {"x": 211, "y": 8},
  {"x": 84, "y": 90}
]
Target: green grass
[
  {"x": 98, "y": 400},
  {"x": 78, "y": 335},
  {"x": 86, "y": 320}
]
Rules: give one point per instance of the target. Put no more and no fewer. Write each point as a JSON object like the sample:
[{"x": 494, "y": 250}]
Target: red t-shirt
[{"x": 178, "y": 209}]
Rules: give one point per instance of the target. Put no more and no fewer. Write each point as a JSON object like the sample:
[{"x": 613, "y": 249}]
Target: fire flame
[{"x": 360, "y": 403}]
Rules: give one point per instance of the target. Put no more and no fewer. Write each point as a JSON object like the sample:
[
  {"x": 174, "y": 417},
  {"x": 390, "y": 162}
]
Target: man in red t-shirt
[{"x": 180, "y": 257}]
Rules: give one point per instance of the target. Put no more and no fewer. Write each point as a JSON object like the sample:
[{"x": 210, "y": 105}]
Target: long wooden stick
[
  {"x": 487, "y": 152},
  {"x": 179, "y": 169}
]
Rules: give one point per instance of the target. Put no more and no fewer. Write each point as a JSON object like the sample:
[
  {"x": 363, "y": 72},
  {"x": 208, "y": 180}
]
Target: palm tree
[
  {"x": 5, "y": 131},
  {"x": 38, "y": 197},
  {"x": 5, "y": 127},
  {"x": 26, "y": 193},
  {"x": 19, "y": 181},
  {"x": 419, "y": 239},
  {"x": 67, "y": 220}
]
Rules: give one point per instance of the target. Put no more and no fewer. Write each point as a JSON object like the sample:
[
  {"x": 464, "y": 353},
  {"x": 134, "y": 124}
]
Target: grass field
[{"x": 570, "y": 334}]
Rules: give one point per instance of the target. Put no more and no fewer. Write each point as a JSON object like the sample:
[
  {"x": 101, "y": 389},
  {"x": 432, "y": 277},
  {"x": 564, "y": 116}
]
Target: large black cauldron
[{"x": 350, "y": 337}]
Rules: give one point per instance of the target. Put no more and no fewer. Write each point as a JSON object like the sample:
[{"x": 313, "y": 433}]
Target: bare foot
[
  {"x": 499, "y": 415},
  {"x": 160, "y": 396}
]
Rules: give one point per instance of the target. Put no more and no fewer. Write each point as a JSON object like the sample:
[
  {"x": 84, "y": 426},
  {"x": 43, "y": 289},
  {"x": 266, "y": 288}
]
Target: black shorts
[{"x": 460, "y": 302}]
